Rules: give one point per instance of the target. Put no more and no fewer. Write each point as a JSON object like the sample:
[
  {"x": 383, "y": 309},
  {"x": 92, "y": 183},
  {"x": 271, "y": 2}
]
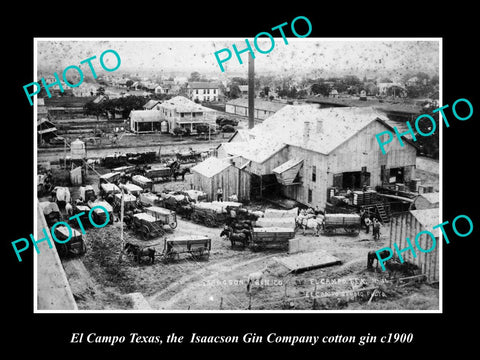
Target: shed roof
[
  {"x": 150, "y": 104},
  {"x": 258, "y": 104},
  {"x": 428, "y": 218},
  {"x": 202, "y": 85},
  {"x": 146, "y": 116},
  {"x": 432, "y": 198},
  {"x": 211, "y": 166}
]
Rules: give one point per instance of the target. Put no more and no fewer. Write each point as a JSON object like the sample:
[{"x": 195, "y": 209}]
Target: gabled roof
[
  {"x": 211, "y": 166},
  {"x": 257, "y": 150},
  {"x": 202, "y": 85},
  {"x": 337, "y": 125},
  {"x": 150, "y": 104},
  {"x": 182, "y": 104}
]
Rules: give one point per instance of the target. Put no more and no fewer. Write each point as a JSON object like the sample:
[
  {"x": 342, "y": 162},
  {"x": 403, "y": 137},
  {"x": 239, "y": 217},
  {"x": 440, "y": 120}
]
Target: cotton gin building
[{"x": 302, "y": 151}]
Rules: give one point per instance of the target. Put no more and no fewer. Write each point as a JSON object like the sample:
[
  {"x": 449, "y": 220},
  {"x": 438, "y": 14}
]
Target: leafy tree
[
  {"x": 194, "y": 76},
  {"x": 239, "y": 80},
  {"x": 100, "y": 91},
  {"x": 292, "y": 93},
  {"x": 129, "y": 83},
  {"x": 320, "y": 88},
  {"x": 234, "y": 92}
]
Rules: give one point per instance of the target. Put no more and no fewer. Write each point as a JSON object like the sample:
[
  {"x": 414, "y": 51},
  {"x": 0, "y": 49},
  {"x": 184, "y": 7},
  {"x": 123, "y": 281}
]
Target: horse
[
  {"x": 372, "y": 256},
  {"x": 256, "y": 278},
  {"x": 242, "y": 236},
  {"x": 308, "y": 222},
  {"x": 139, "y": 253},
  {"x": 180, "y": 172}
]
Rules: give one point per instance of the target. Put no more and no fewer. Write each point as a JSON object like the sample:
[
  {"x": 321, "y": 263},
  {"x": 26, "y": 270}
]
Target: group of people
[{"x": 374, "y": 223}]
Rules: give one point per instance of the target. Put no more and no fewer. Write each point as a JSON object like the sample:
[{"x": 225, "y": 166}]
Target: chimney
[
  {"x": 319, "y": 126},
  {"x": 306, "y": 131}
]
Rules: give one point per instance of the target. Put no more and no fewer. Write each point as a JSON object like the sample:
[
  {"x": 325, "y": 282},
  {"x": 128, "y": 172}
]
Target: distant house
[
  {"x": 152, "y": 105},
  {"x": 333, "y": 93},
  {"x": 146, "y": 121},
  {"x": 45, "y": 130},
  {"x": 203, "y": 91},
  {"x": 263, "y": 108},
  {"x": 243, "y": 90},
  {"x": 182, "y": 112}
]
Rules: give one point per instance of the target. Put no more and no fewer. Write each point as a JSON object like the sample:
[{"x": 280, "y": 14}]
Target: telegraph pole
[{"x": 251, "y": 91}]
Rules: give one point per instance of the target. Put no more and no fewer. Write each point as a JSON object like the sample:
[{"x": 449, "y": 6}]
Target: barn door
[{"x": 338, "y": 180}]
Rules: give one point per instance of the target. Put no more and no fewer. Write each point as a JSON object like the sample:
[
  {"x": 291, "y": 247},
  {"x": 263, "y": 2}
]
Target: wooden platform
[{"x": 308, "y": 261}]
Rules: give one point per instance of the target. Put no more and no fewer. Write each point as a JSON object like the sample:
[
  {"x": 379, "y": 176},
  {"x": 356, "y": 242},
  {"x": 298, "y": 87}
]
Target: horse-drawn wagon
[
  {"x": 87, "y": 193},
  {"x": 167, "y": 217},
  {"x": 159, "y": 173},
  {"x": 129, "y": 202},
  {"x": 99, "y": 216},
  {"x": 75, "y": 245},
  {"x": 150, "y": 199},
  {"x": 131, "y": 189},
  {"x": 146, "y": 226},
  {"x": 169, "y": 249},
  {"x": 50, "y": 211},
  {"x": 271, "y": 237},
  {"x": 142, "y": 181},
  {"x": 350, "y": 223},
  {"x": 198, "y": 246},
  {"x": 188, "y": 156}
]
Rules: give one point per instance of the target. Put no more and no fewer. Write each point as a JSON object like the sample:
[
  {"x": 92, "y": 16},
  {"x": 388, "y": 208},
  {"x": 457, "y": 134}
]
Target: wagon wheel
[
  {"x": 173, "y": 225},
  {"x": 195, "y": 217},
  {"x": 210, "y": 221},
  {"x": 144, "y": 233},
  {"x": 351, "y": 230},
  {"x": 329, "y": 230}
]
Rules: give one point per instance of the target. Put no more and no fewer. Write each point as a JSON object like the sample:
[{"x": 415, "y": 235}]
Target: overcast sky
[{"x": 326, "y": 55}]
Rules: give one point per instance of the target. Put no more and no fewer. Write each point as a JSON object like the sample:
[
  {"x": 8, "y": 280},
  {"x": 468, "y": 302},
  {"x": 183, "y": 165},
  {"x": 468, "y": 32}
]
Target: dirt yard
[
  {"x": 220, "y": 282},
  {"x": 100, "y": 280}
]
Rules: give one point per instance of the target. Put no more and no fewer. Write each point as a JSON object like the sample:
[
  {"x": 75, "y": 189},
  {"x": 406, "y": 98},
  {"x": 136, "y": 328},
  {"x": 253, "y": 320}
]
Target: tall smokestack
[{"x": 251, "y": 91}]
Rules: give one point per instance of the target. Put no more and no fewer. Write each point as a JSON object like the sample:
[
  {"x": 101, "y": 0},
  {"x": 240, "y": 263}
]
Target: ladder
[{"x": 382, "y": 212}]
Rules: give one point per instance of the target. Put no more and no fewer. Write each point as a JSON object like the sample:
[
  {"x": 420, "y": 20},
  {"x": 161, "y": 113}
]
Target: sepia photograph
[{"x": 209, "y": 175}]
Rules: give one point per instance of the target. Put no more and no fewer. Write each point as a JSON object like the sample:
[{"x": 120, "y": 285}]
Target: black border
[{"x": 433, "y": 332}]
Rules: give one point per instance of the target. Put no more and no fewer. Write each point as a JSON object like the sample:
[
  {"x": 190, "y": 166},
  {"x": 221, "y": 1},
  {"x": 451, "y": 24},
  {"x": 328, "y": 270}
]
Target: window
[
  {"x": 196, "y": 91},
  {"x": 314, "y": 173},
  {"x": 309, "y": 196},
  {"x": 182, "y": 114}
]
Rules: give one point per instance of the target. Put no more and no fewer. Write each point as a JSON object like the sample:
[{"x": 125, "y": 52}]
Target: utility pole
[
  {"x": 251, "y": 91},
  {"x": 121, "y": 228}
]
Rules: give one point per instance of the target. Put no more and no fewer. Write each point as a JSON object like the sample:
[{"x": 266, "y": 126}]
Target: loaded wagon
[
  {"x": 350, "y": 223},
  {"x": 111, "y": 177},
  {"x": 107, "y": 191},
  {"x": 198, "y": 246},
  {"x": 188, "y": 156},
  {"x": 73, "y": 247},
  {"x": 146, "y": 226},
  {"x": 131, "y": 189},
  {"x": 208, "y": 214},
  {"x": 77, "y": 209},
  {"x": 129, "y": 202},
  {"x": 167, "y": 217},
  {"x": 162, "y": 173},
  {"x": 271, "y": 238},
  {"x": 50, "y": 211},
  {"x": 61, "y": 194},
  {"x": 150, "y": 199},
  {"x": 87, "y": 193},
  {"x": 142, "y": 181},
  {"x": 99, "y": 216}
]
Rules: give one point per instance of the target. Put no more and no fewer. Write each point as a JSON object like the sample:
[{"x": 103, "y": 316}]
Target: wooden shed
[
  {"x": 214, "y": 173},
  {"x": 409, "y": 224},
  {"x": 427, "y": 201}
]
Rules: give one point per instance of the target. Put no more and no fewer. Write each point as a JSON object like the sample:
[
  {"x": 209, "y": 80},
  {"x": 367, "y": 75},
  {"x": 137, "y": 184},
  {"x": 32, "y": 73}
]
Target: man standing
[
  {"x": 376, "y": 229},
  {"x": 367, "y": 223},
  {"x": 219, "y": 194}
]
